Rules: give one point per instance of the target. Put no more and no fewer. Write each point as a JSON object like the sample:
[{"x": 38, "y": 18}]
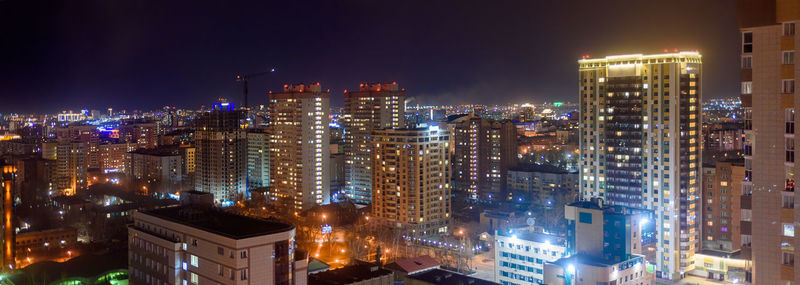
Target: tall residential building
[
  {"x": 112, "y": 156},
  {"x": 541, "y": 185},
  {"x": 411, "y": 179},
  {"x": 721, "y": 211},
  {"x": 299, "y": 152},
  {"x": 725, "y": 227},
  {"x": 197, "y": 244},
  {"x": 484, "y": 151},
  {"x": 9, "y": 235},
  {"x": 71, "y": 167},
  {"x": 156, "y": 170},
  {"x": 770, "y": 99},
  {"x": 87, "y": 134},
  {"x": 372, "y": 107},
  {"x": 143, "y": 133},
  {"x": 257, "y": 159},
  {"x": 34, "y": 180},
  {"x": 221, "y": 154},
  {"x": 640, "y": 144}
]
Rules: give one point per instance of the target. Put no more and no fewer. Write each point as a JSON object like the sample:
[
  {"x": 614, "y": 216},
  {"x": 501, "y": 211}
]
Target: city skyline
[
  {"x": 319, "y": 142},
  {"x": 144, "y": 57}
]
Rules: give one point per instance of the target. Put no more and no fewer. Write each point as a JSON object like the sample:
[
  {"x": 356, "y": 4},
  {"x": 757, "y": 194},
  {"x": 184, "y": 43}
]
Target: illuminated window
[{"x": 788, "y": 230}]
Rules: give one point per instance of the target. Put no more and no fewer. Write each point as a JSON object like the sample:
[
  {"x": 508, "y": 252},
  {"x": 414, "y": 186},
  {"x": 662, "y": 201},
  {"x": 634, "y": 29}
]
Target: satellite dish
[{"x": 530, "y": 221}]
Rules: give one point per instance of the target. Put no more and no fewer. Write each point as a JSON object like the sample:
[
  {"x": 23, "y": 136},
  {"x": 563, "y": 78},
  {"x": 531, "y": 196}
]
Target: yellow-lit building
[
  {"x": 299, "y": 146},
  {"x": 640, "y": 144},
  {"x": 411, "y": 179}
]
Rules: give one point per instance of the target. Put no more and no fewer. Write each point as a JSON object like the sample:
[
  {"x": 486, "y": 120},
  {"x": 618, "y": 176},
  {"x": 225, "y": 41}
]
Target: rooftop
[
  {"x": 538, "y": 168},
  {"x": 596, "y": 261},
  {"x": 220, "y": 222},
  {"x": 444, "y": 277},
  {"x": 348, "y": 275},
  {"x": 539, "y": 237},
  {"x": 411, "y": 265}
]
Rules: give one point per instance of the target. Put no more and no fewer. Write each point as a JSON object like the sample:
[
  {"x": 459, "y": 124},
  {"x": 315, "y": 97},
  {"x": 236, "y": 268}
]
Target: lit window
[{"x": 788, "y": 230}]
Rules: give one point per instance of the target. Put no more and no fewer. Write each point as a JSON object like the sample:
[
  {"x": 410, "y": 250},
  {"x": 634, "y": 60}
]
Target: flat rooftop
[
  {"x": 595, "y": 261},
  {"x": 219, "y": 222},
  {"x": 348, "y": 275},
  {"x": 444, "y": 277}
]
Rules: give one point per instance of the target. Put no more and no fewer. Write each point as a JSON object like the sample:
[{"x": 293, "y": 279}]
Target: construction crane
[{"x": 243, "y": 80}]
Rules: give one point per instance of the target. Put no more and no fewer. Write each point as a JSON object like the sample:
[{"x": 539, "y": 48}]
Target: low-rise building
[
  {"x": 198, "y": 244},
  {"x": 520, "y": 255},
  {"x": 605, "y": 246},
  {"x": 586, "y": 269}
]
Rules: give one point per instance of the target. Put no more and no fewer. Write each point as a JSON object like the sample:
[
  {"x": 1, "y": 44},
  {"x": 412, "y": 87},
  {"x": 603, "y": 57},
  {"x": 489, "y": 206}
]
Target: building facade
[
  {"x": 539, "y": 184},
  {"x": 770, "y": 99},
  {"x": 299, "y": 152},
  {"x": 484, "y": 151},
  {"x": 257, "y": 159},
  {"x": 112, "y": 156},
  {"x": 411, "y": 179},
  {"x": 613, "y": 257},
  {"x": 221, "y": 154},
  {"x": 155, "y": 170},
  {"x": 640, "y": 144},
  {"x": 520, "y": 255},
  {"x": 721, "y": 211},
  {"x": 142, "y": 133},
  {"x": 372, "y": 107}
]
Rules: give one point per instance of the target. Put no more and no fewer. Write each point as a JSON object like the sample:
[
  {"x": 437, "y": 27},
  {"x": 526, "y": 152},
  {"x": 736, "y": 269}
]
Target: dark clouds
[{"x": 146, "y": 54}]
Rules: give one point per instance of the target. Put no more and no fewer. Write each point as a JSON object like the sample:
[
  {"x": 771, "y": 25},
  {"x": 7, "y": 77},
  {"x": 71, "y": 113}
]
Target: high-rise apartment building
[
  {"x": 9, "y": 235},
  {"x": 71, "y": 167},
  {"x": 721, "y": 200},
  {"x": 770, "y": 99},
  {"x": 143, "y": 133},
  {"x": 299, "y": 146},
  {"x": 257, "y": 159},
  {"x": 372, "y": 107},
  {"x": 87, "y": 134},
  {"x": 484, "y": 151},
  {"x": 112, "y": 155},
  {"x": 156, "y": 170},
  {"x": 221, "y": 154},
  {"x": 411, "y": 179},
  {"x": 197, "y": 244},
  {"x": 541, "y": 185},
  {"x": 640, "y": 144}
]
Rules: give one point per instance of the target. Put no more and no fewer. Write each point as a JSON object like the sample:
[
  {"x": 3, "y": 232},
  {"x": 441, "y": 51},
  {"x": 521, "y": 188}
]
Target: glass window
[
  {"x": 747, "y": 42},
  {"x": 747, "y": 87},
  {"x": 788, "y": 57},
  {"x": 788, "y": 230},
  {"x": 787, "y": 86},
  {"x": 747, "y": 62},
  {"x": 788, "y": 29}
]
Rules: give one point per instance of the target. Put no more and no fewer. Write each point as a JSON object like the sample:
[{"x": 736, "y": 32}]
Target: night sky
[{"x": 58, "y": 55}]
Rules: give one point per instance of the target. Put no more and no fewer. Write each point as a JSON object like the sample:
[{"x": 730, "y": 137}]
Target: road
[{"x": 484, "y": 266}]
